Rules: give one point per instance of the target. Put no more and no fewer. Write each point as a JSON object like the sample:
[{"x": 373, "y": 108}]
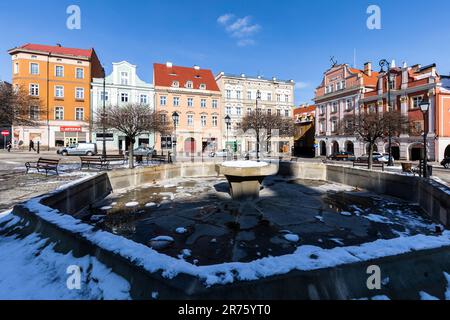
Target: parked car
[
  {"x": 344, "y": 156},
  {"x": 79, "y": 149},
  {"x": 446, "y": 163},
  {"x": 376, "y": 157},
  {"x": 144, "y": 151},
  {"x": 221, "y": 153}
]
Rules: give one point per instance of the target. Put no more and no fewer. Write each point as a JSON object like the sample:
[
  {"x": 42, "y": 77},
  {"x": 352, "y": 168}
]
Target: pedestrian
[
  {"x": 31, "y": 146},
  {"x": 9, "y": 146}
]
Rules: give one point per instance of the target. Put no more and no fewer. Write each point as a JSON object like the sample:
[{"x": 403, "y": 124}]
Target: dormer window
[
  {"x": 202, "y": 86},
  {"x": 189, "y": 84},
  {"x": 124, "y": 78},
  {"x": 175, "y": 84}
]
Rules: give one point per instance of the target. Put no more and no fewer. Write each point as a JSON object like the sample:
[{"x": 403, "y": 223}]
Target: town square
[{"x": 225, "y": 151}]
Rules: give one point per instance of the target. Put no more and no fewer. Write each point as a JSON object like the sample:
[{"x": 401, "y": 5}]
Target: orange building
[
  {"x": 60, "y": 78},
  {"x": 194, "y": 95}
]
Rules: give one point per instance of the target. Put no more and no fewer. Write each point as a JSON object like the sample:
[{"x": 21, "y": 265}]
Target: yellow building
[{"x": 60, "y": 78}]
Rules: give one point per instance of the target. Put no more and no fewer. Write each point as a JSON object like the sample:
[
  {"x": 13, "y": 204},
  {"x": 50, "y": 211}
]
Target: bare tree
[
  {"x": 263, "y": 123},
  {"x": 18, "y": 107},
  {"x": 395, "y": 124},
  {"x": 133, "y": 120}
]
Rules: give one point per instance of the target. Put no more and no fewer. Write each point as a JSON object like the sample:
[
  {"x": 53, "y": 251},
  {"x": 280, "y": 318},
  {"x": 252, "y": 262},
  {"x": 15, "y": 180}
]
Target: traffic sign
[{"x": 5, "y": 133}]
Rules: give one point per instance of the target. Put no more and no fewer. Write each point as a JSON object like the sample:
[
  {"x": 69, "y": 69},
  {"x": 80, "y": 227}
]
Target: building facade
[
  {"x": 339, "y": 95},
  {"x": 408, "y": 86},
  {"x": 194, "y": 95},
  {"x": 59, "y": 78},
  {"x": 239, "y": 93},
  {"x": 122, "y": 86},
  {"x": 304, "y": 138}
]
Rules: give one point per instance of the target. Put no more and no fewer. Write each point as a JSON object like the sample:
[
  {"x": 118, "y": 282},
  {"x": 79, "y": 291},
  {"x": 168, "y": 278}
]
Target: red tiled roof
[
  {"x": 56, "y": 50},
  {"x": 372, "y": 80},
  {"x": 164, "y": 76},
  {"x": 301, "y": 110}
]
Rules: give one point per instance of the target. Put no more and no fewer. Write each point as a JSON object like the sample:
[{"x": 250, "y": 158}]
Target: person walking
[
  {"x": 9, "y": 146},
  {"x": 31, "y": 146}
]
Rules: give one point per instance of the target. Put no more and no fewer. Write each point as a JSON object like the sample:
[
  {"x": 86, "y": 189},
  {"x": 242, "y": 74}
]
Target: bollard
[{"x": 38, "y": 147}]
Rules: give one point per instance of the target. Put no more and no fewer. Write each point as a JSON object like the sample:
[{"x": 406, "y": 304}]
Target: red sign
[
  {"x": 5, "y": 133},
  {"x": 70, "y": 129}
]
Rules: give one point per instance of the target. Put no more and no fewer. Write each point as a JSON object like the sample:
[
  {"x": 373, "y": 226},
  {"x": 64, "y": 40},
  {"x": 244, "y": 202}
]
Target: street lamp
[
  {"x": 104, "y": 114},
  {"x": 258, "y": 97},
  {"x": 228, "y": 123},
  {"x": 175, "y": 118},
  {"x": 424, "y": 106},
  {"x": 385, "y": 63}
]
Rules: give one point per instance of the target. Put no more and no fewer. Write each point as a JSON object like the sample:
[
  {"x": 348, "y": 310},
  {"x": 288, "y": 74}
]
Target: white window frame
[
  {"x": 163, "y": 101},
  {"x": 124, "y": 78},
  {"x": 77, "y": 91},
  {"x": 143, "y": 99},
  {"x": 62, "y": 112},
  {"x": 34, "y": 89},
  {"x": 190, "y": 120},
  {"x": 124, "y": 97},
  {"x": 214, "y": 121},
  {"x": 56, "y": 71},
  {"x": 82, "y": 113},
  {"x": 31, "y": 68},
  {"x": 203, "y": 120},
  {"x": 203, "y": 103},
  {"x": 176, "y": 101},
  {"x": 215, "y": 104},
  {"x": 32, "y": 113},
  {"x": 16, "y": 67},
  {"x": 190, "y": 102},
  {"x": 82, "y": 73},
  {"x": 228, "y": 110},
  {"x": 62, "y": 91}
]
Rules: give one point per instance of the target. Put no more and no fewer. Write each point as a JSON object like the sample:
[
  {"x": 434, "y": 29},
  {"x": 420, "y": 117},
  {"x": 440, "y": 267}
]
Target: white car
[{"x": 221, "y": 153}]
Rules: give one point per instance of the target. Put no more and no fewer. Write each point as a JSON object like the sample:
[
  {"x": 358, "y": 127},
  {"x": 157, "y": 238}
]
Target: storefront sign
[{"x": 70, "y": 129}]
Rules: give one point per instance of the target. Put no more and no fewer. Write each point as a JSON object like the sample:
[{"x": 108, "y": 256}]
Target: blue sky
[{"x": 289, "y": 39}]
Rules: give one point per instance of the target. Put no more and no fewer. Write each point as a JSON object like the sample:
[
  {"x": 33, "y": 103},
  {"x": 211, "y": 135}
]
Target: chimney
[
  {"x": 169, "y": 64},
  {"x": 368, "y": 68},
  {"x": 196, "y": 67},
  {"x": 393, "y": 64}
]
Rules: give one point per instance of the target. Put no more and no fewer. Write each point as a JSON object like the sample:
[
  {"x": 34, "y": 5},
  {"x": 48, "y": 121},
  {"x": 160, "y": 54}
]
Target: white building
[
  {"x": 122, "y": 86},
  {"x": 239, "y": 94}
]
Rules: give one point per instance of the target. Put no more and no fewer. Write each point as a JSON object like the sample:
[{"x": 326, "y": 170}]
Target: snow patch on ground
[
  {"x": 292, "y": 237},
  {"x": 131, "y": 204},
  {"x": 181, "y": 230}
]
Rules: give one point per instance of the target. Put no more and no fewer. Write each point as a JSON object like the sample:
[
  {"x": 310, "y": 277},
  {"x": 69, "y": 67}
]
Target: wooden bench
[
  {"x": 44, "y": 164},
  {"x": 98, "y": 162},
  {"x": 362, "y": 163},
  {"x": 115, "y": 157}
]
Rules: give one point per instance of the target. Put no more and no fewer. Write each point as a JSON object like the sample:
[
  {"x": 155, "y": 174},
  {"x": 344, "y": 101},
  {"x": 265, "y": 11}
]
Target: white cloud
[
  {"x": 302, "y": 85},
  {"x": 241, "y": 28},
  {"x": 223, "y": 19}
]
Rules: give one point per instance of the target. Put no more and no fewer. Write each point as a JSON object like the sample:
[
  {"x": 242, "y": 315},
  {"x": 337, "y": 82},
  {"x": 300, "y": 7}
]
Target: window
[
  {"x": 249, "y": 111},
  {"x": 175, "y": 84},
  {"x": 34, "y": 68},
  {"x": 415, "y": 102},
  {"x": 163, "y": 118},
  {"x": 177, "y": 121},
  {"x": 16, "y": 68},
  {"x": 124, "y": 97},
  {"x": 214, "y": 121},
  {"x": 334, "y": 108},
  {"x": 228, "y": 94},
  {"x": 190, "y": 102},
  {"x": 34, "y": 90},
  {"x": 143, "y": 99},
  {"x": 286, "y": 113},
  {"x": 286, "y": 98},
  {"x": 278, "y": 112},
  {"x": 202, "y": 86},
  {"x": 190, "y": 120},
  {"x": 238, "y": 94},
  {"x": 371, "y": 108},
  {"x": 163, "y": 100},
  {"x": 59, "y": 91},
  {"x": 203, "y": 120},
  {"x": 228, "y": 110},
  {"x": 79, "y": 114},
  {"x": 59, "y": 71},
  {"x": 322, "y": 110},
  {"x": 104, "y": 95},
  {"x": 269, "y": 111},
  {"x": 333, "y": 125},
  {"x": 176, "y": 101},
  {"x": 249, "y": 95},
  {"x": 349, "y": 104},
  {"x": 34, "y": 113},
  {"x": 278, "y": 97},
  {"x": 189, "y": 84},
  {"x": 214, "y": 104},
  {"x": 203, "y": 103},
  {"x": 124, "y": 78},
  {"x": 59, "y": 113},
  {"x": 80, "y": 73},
  {"x": 239, "y": 111},
  {"x": 79, "y": 93},
  {"x": 269, "y": 97},
  {"x": 322, "y": 126}
]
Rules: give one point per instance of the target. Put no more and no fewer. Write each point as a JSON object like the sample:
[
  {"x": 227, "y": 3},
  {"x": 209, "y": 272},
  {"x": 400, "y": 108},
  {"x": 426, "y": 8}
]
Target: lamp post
[
  {"x": 104, "y": 114},
  {"x": 227, "y": 122},
  {"x": 258, "y": 97},
  {"x": 175, "y": 118},
  {"x": 424, "y": 106},
  {"x": 385, "y": 63}
]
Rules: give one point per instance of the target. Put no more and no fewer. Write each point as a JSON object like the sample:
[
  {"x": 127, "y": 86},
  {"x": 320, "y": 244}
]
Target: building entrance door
[{"x": 70, "y": 141}]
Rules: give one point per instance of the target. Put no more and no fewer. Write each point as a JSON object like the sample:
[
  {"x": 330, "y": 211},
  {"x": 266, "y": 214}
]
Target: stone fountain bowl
[{"x": 245, "y": 177}]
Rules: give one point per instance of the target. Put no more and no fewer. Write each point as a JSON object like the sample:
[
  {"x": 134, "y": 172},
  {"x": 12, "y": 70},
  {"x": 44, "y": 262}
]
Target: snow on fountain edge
[{"x": 304, "y": 258}]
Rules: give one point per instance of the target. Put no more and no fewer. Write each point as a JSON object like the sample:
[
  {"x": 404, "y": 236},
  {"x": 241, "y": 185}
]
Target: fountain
[{"x": 245, "y": 177}]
